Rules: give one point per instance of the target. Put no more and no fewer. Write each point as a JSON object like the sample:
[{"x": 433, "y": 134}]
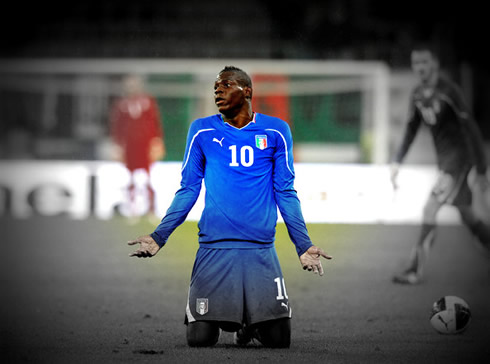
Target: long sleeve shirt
[{"x": 248, "y": 174}]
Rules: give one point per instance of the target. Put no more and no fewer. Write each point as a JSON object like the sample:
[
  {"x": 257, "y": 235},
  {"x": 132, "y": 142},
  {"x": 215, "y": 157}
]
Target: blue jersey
[{"x": 248, "y": 173}]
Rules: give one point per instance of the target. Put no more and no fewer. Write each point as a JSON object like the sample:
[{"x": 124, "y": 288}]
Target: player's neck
[
  {"x": 239, "y": 120},
  {"x": 432, "y": 80},
  {"x": 133, "y": 95}
]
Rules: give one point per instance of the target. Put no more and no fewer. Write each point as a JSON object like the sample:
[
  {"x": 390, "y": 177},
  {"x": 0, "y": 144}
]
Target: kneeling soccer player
[{"x": 246, "y": 161}]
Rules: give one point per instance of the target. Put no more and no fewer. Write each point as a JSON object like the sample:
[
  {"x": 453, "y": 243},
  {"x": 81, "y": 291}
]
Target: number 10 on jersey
[
  {"x": 281, "y": 288},
  {"x": 246, "y": 156}
]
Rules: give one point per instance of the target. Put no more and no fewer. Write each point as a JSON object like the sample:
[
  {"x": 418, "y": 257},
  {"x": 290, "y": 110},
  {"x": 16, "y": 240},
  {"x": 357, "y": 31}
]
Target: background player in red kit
[
  {"x": 137, "y": 132},
  {"x": 438, "y": 103}
]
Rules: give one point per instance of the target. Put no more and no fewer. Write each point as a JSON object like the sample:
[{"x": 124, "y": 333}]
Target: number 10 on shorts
[{"x": 281, "y": 289}]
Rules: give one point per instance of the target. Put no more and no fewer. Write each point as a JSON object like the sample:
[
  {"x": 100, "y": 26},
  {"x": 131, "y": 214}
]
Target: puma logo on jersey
[
  {"x": 284, "y": 305},
  {"x": 218, "y": 141}
]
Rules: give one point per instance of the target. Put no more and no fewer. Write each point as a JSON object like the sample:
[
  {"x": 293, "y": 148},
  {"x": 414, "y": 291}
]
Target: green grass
[{"x": 71, "y": 294}]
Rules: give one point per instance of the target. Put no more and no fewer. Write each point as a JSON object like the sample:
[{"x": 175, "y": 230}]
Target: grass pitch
[{"x": 70, "y": 293}]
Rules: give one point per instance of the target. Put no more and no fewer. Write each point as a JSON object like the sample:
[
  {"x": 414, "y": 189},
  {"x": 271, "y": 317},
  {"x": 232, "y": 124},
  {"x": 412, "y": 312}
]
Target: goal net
[{"x": 338, "y": 110}]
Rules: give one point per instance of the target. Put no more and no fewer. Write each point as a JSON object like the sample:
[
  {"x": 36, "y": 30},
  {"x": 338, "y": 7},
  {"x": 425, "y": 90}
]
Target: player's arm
[
  {"x": 289, "y": 204},
  {"x": 476, "y": 145},
  {"x": 184, "y": 199},
  {"x": 158, "y": 150},
  {"x": 474, "y": 140},
  {"x": 115, "y": 124},
  {"x": 472, "y": 135},
  {"x": 411, "y": 128},
  {"x": 116, "y": 131}
]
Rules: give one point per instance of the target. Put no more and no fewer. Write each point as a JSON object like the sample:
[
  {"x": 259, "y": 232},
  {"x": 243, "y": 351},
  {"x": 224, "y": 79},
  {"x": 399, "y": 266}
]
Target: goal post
[{"x": 338, "y": 110}]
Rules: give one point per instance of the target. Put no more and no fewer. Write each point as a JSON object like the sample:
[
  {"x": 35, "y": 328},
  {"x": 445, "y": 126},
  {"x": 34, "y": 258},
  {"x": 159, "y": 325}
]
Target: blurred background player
[
  {"x": 246, "y": 161},
  {"x": 137, "y": 132},
  {"x": 438, "y": 103}
]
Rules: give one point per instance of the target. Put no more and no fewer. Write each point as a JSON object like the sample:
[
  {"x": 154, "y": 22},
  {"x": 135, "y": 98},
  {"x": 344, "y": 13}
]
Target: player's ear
[
  {"x": 436, "y": 63},
  {"x": 248, "y": 92}
]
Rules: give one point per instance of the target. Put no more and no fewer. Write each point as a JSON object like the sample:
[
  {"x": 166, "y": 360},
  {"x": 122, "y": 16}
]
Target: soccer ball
[{"x": 450, "y": 315}]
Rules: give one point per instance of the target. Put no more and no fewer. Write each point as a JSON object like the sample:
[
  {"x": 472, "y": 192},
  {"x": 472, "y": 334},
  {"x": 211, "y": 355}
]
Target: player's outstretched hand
[
  {"x": 147, "y": 247},
  {"x": 482, "y": 182},
  {"x": 394, "y": 170},
  {"x": 310, "y": 260}
]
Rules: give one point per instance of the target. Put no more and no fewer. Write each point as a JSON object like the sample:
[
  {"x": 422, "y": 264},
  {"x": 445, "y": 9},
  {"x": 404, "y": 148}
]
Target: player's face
[
  {"x": 423, "y": 65},
  {"x": 229, "y": 95},
  {"x": 133, "y": 85}
]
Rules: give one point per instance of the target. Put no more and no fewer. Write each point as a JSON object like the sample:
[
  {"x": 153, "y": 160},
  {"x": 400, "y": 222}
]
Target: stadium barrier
[{"x": 329, "y": 193}]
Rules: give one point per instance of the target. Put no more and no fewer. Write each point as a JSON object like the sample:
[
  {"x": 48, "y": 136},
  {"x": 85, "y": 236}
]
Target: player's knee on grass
[
  {"x": 202, "y": 333},
  {"x": 275, "y": 333}
]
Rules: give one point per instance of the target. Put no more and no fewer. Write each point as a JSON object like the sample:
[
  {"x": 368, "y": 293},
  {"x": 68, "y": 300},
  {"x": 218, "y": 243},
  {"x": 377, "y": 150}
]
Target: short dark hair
[
  {"x": 426, "y": 46},
  {"x": 242, "y": 77}
]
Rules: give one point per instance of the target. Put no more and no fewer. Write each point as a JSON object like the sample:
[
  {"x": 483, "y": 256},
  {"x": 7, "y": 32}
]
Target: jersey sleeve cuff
[
  {"x": 303, "y": 248},
  {"x": 481, "y": 170},
  {"x": 161, "y": 242}
]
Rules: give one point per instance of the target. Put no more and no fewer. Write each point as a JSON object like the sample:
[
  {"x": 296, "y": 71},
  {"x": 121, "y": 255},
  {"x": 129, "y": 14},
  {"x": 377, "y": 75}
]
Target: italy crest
[
  {"x": 261, "y": 141},
  {"x": 202, "y": 306}
]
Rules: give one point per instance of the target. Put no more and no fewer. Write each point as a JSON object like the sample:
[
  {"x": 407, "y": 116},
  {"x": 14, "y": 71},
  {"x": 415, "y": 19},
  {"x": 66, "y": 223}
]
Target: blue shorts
[{"x": 239, "y": 285}]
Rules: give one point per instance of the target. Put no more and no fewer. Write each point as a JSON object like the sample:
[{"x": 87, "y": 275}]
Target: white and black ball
[{"x": 450, "y": 315}]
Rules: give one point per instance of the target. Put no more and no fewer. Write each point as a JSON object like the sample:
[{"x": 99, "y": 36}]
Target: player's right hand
[
  {"x": 394, "y": 169},
  {"x": 147, "y": 247},
  {"x": 482, "y": 182}
]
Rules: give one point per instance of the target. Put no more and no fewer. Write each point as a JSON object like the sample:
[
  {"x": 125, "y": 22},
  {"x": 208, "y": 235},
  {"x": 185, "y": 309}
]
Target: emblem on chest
[
  {"x": 261, "y": 141},
  {"x": 429, "y": 109}
]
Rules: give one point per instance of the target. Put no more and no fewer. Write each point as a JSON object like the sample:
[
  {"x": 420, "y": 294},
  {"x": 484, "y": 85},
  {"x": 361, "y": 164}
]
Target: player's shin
[
  {"x": 420, "y": 253},
  {"x": 202, "y": 333},
  {"x": 482, "y": 233},
  {"x": 275, "y": 333}
]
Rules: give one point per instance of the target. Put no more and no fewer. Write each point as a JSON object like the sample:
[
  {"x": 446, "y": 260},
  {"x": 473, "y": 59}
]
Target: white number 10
[
  {"x": 281, "y": 287},
  {"x": 246, "y": 156}
]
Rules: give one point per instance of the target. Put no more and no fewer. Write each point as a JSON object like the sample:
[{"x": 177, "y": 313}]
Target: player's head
[
  {"x": 232, "y": 89},
  {"x": 425, "y": 63},
  {"x": 239, "y": 75},
  {"x": 133, "y": 84}
]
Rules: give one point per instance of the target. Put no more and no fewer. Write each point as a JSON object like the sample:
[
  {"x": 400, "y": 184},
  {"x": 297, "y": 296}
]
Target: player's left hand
[
  {"x": 394, "y": 170},
  {"x": 148, "y": 247},
  {"x": 310, "y": 260},
  {"x": 482, "y": 182}
]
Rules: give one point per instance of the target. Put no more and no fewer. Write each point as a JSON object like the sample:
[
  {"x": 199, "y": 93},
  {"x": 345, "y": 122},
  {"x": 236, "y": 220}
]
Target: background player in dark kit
[
  {"x": 439, "y": 104},
  {"x": 246, "y": 161}
]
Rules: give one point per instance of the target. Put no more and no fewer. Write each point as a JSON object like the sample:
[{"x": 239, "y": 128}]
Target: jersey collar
[{"x": 243, "y": 127}]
